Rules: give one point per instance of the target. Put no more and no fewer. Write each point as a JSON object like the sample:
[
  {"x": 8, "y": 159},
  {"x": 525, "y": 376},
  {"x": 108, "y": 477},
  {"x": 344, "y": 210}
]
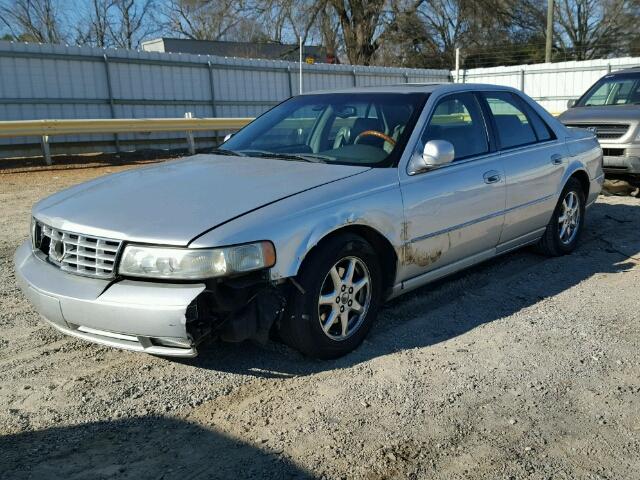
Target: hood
[
  {"x": 174, "y": 202},
  {"x": 607, "y": 113}
]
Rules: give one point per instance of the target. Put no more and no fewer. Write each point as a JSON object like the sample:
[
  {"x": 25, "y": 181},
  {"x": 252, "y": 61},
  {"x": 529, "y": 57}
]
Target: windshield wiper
[
  {"x": 223, "y": 151},
  {"x": 314, "y": 157},
  {"x": 305, "y": 157}
]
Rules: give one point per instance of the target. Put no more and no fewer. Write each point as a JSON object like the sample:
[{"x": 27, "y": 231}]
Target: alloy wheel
[
  {"x": 569, "y": 219},
  {"x": 344, "y": 298}
]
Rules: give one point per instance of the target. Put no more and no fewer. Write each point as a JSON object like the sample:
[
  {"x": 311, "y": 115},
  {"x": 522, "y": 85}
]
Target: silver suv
[{"x": 611, "y": 110}]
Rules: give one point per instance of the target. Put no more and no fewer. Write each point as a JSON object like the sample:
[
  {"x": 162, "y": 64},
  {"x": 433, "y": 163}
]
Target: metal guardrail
[
  {"x": 46, "y": 128},
  {"x": 39, "y": 128}
]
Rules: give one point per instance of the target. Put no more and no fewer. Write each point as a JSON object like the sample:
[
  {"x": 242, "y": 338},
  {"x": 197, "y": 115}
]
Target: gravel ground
[{"x": 521, "y": 367}]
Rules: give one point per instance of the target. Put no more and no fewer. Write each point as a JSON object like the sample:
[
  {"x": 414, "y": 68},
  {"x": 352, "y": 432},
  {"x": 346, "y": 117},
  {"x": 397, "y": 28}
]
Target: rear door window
[{"x": 513, "y": 126}]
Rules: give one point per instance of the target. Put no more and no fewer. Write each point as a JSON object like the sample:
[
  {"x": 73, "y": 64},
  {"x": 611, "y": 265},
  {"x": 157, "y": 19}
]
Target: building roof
[{"x": 272, "y": 51}]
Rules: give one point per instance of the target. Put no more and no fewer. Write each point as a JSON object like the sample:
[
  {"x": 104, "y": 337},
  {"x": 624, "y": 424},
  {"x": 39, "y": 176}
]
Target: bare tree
[
  {"x": 447, "y": 24},
  {"x": 594, "y": 28},
  {"x": 203, "y": 19},
  {"x": 276, "y": 17},
  {"x": 32, "y": 20},
  {"x": 303, "y": 17},
  {"x": 329, "y": 27},
  {"x": 366, "y": 24},
  {"x": 416, "y": 33},
  {"x": 584, "y": 29},
  {"x": 133, "y": 22},
  {"x": 285, "y": 21},
  {"x": 360, "y": 21},
  {"x": 96, "y": 29}
]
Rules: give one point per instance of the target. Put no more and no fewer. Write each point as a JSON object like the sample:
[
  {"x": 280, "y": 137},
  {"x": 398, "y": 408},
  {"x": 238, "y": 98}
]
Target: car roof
[
  {"x": 626, "y": 70},
  {"x": 416, "y": 88}
]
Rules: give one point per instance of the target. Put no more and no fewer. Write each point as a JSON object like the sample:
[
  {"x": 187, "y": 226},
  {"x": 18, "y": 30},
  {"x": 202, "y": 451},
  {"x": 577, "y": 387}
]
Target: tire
[
  {"x": 302, "y": 326},
  {"x": 552, "y": 243}
]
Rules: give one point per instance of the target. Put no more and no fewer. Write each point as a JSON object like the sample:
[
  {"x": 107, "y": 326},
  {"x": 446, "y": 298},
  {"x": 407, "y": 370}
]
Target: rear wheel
[
  {"x": 564, "y": 228},
  {"x": 341, "y": 280}
]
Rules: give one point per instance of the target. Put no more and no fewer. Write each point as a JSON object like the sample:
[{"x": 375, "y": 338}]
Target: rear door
[
  {"x": 454, "y": 213},
  {"x": 534, "y": 162}
]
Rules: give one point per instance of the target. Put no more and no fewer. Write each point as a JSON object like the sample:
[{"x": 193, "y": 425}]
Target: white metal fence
[
  {"x": 62, "y": 82},
  {"x": 551, "y": 84}
]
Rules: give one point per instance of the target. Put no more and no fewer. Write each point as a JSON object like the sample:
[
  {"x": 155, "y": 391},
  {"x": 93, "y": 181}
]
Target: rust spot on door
[{"x": 427, "y": 252}]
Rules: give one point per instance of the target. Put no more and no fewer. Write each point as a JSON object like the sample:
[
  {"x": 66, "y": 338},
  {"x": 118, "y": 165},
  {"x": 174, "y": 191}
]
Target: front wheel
[
  {"x": 564, "y": 229},
  {"x": 341, "y": 281}
]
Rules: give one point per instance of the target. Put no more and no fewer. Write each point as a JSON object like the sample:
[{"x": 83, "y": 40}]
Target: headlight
[
  {"x": 192, "y": 264},
  {"x": 36, "y": 234}
]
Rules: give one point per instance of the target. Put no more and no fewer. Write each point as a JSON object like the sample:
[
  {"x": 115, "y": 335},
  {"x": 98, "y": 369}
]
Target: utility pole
[
  {"x": 300, "y": 77},
  {"x": 457, "y": 65},
  {"x": 549, "y": 44}
]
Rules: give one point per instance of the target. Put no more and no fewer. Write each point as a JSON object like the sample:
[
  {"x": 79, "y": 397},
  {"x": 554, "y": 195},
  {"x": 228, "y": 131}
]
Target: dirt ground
[{"x": 523, "y": 367}]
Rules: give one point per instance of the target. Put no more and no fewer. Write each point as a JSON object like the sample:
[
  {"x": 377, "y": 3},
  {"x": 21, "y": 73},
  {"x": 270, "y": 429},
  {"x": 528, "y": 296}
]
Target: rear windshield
[
  {"x": 354, "y": 129},
  {"x": 616, "y": 89}
]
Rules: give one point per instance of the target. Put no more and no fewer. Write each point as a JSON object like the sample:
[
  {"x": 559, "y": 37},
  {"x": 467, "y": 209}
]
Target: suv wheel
[
  {"x": 564, "y": 229},
  {"x": 342, "y": 284}
]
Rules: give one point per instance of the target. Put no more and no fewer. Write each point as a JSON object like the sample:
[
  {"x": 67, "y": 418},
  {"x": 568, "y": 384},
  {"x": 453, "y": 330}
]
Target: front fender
[
  {"x": 297, "y": 224},
  {"x": 387, "y": 227}
]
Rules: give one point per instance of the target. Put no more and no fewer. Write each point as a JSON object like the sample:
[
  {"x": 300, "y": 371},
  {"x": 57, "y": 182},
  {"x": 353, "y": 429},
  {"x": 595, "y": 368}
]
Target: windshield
[
  {"x": 620, "y": 89},
  {"x": 353, "y": 129}
]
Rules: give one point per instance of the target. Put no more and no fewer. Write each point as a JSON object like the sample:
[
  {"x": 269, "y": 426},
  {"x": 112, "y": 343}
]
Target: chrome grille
[
  {"x": 613, "y": 152},
  {"x": 77, "y": 253},
  {"x": 606, "y": 131}
]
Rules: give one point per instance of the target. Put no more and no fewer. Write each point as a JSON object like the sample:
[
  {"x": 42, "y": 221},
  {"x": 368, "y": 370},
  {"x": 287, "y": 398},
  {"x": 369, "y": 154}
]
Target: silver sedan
[{"x": 304, "y": 222}]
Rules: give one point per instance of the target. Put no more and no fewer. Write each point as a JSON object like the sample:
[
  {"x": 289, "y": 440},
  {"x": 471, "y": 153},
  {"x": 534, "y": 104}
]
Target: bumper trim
[{"x": 123, "y": 342}]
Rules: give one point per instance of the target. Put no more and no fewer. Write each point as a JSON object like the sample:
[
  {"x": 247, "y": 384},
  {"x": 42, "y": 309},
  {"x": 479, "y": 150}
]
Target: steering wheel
[{"x": 375, "y": 133}]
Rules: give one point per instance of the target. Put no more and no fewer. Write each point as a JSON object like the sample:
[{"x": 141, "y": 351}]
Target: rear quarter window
[{"x": 543, "y": 131}]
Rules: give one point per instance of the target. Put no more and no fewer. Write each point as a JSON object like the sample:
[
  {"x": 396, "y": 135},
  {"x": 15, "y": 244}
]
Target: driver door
[{"x": 454, "y": 213}]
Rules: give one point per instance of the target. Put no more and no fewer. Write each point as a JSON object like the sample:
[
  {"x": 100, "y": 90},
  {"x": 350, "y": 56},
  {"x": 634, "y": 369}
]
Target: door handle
[
  {"x": 492, "y": 176},
  {"x": 557, "y": 159}
]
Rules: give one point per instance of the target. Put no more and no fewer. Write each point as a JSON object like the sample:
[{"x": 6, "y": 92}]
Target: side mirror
[
  {"x": 571, "y": 102},
  {"x": 227, "y": 137},
  {"x": 435, "y": 154}
]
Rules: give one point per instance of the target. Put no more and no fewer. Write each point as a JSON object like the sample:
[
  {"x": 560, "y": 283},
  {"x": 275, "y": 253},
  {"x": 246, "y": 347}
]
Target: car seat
[{"x": 347, "y": 135}]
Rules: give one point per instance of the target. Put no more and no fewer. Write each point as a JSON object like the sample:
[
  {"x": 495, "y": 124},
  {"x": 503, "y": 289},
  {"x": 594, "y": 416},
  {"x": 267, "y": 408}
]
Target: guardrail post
[
  {"x": 46, "y": 151},
  {"x": 191, "y": 143},
  {"x": 112, "y": 106},
  {"x": 290, "y": 82}
]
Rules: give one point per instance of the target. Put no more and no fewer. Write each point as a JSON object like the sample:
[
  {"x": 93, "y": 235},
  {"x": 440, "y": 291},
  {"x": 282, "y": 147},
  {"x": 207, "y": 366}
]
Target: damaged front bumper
[{"x": 168, "y": 319}]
